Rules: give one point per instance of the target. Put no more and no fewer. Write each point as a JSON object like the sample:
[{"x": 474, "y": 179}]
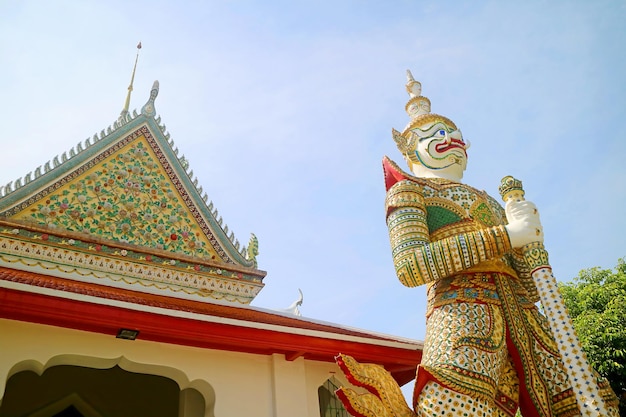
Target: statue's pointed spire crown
[
  {"x": 414, "y": 88},
  {"x": 418, "y": 106},
  {"x": 418, "y": 109}
]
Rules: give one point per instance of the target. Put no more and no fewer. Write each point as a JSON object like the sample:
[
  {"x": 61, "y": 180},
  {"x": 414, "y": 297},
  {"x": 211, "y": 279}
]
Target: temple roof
[
  {"x": 127, "y": 193},
  {"x": 49, "y": 300}
]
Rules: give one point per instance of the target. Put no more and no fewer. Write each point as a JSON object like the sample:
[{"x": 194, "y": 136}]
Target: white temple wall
[{"x": 240, "y": 384}]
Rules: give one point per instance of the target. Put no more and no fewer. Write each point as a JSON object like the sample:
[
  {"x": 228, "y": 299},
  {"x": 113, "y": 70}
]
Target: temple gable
[{"x": 128, "y": 190}]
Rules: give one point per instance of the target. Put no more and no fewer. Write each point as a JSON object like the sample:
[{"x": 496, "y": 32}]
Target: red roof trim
[{"x": 173, "y": 303}]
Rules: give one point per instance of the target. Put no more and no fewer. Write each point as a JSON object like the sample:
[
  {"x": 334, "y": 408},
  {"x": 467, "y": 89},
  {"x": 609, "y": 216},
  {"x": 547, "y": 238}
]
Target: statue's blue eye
[{"x": 442, "y": 132}]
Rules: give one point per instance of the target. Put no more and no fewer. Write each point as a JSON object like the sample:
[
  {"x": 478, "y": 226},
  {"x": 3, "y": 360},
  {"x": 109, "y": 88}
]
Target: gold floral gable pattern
[{"x": 126, "y": 194}]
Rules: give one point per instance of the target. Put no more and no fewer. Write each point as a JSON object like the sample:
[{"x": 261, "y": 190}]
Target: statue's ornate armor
[
  {"x": 487, "y": 348},
  {"x": 483, "y": 328}
]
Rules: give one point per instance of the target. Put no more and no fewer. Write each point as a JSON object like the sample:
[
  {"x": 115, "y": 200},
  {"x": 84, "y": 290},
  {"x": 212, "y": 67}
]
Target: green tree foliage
[{"x": 596, "y": 301}]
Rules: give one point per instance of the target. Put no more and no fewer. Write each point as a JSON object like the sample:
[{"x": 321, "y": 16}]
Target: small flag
[{"x": 139, "y": 45}]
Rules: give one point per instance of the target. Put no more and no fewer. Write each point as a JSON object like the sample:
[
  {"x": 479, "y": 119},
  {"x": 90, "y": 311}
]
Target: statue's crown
[{"x": 418, "y": 106}]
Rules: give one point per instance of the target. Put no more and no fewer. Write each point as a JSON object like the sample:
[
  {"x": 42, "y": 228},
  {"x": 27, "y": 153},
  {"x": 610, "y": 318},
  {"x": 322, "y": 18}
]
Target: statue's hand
[{"x": 524, "y": 225}]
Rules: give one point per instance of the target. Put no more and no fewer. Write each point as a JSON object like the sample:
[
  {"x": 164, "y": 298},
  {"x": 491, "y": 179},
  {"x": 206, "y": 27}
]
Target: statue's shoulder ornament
[{"x": 447, "y": 201}]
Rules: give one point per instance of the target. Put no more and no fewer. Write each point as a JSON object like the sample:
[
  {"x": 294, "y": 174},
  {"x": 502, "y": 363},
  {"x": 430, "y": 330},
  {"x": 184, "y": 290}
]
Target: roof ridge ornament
[
  {"x": 252, "y": 250},
  {"x": 294, "y": 308},
  {"x": 123, "y": 119},
  {"x": 148, "y": 108}
]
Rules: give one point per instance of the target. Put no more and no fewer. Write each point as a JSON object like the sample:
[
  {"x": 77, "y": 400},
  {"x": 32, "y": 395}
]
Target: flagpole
[{"x": 124, "y": 111}]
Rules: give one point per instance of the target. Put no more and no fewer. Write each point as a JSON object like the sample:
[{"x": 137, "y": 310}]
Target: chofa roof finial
[{"x": 148, "y": 108}]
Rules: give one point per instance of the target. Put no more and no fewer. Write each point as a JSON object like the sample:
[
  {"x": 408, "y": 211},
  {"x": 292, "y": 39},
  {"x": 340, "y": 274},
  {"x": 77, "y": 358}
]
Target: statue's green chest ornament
[{"x": 454, "y": 203}]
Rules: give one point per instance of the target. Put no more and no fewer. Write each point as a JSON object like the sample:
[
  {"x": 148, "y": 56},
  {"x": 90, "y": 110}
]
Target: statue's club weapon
[{"x": 579, "y": 373}]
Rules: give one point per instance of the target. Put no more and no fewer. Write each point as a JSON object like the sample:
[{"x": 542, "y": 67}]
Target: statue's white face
[{"x": 441, "y": 152}]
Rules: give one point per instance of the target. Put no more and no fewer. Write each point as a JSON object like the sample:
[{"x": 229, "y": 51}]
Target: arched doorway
[{"x": 71, "y": 390}]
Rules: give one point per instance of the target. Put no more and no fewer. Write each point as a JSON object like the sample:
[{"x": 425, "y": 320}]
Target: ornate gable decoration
[
  {"x": 128, "y": 187},
  {"x": 127, "y": 193}
]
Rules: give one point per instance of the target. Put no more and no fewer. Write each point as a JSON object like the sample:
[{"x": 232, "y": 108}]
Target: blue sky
[{"x": 285, "y": 109}]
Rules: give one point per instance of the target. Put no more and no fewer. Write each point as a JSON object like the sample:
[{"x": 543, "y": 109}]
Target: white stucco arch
[
  {"x": 47, "y": 347},
  {"x": 188, "y": 400}
]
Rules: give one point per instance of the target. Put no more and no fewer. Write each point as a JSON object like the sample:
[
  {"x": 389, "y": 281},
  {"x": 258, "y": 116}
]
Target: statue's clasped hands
[{"x": 523, "y": 226}]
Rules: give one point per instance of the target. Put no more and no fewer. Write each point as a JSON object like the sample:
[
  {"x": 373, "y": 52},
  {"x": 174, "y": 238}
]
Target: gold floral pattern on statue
[
  {"x": 128, "y": 197},
  {"x": 507, "y": 395},
  {"x": 436, "y": 400},
  {"x": 455, "y": 345},
  {"x": 484, "y": 214}
]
